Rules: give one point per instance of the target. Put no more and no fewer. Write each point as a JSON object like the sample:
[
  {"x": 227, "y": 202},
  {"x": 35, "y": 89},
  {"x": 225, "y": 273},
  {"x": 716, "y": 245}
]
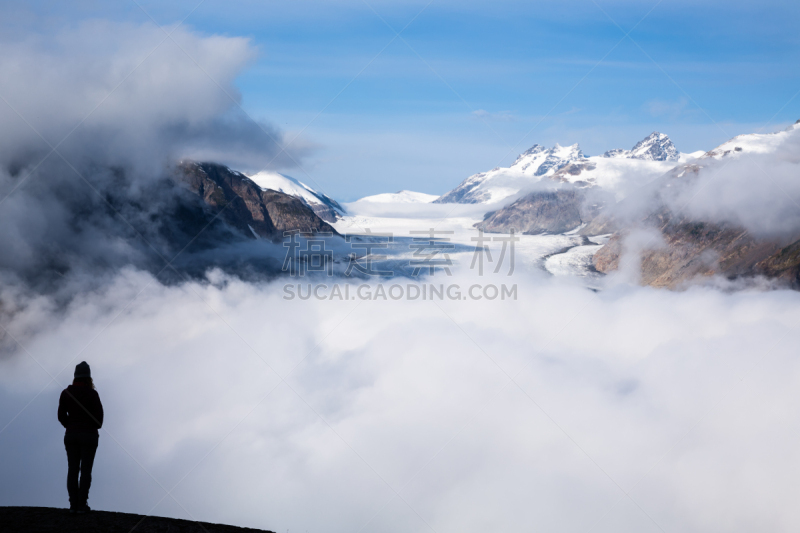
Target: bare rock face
[
  {"x": 244, "y": 205},
  {"x": 541, "y": 212},
  {"x": 602, "y": 224},
  {"x": 693, "y": 249},
  {"x": 574, "y": 169},
  {"x": 784, "y": 264},
  {"x": 325, "y": 212}
]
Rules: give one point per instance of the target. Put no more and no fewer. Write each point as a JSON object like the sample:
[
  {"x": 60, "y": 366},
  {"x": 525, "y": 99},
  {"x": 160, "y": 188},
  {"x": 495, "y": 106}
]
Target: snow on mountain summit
[
  {"x": 655, "y": 147},
  {"x": 540, "y": 161},
  {"x": 649, "y": 158},
  {"x": 402, "y": 197},
  {"x": 753, "y": 143},
  {"x": 325, "y": 207}
]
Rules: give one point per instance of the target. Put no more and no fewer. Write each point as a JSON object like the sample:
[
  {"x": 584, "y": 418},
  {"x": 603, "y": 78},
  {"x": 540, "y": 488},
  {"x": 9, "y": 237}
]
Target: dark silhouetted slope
[{"x": 46, "y": 519}]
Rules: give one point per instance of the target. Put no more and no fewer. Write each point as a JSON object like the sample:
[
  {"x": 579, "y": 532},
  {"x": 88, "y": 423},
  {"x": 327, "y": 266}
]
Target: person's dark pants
[{"x": 81, "y": 448}]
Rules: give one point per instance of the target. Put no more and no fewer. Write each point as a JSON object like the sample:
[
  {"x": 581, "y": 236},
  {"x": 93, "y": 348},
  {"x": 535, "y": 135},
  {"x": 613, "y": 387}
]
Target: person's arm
[
  {"x": 63, "y": 415},
  {"x": 98, "y": 410}
]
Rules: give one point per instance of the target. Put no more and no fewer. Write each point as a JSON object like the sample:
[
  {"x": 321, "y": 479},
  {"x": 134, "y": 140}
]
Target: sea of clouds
[
  {"x": 567, "y": 409},
  {"x": 630, "y": 409}
]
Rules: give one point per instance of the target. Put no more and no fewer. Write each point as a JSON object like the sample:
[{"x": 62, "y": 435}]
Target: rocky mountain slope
[
  {"x": 254, "y": 211},
  {"x": 655, "y": 147},
  {"x": 179, "y": 222},
  {"x": 48, "y": 519},
  {"x": 324, "y": 206},
  {"x": 557, "y": 211},
  {"x": 693, "y": 247},
  {"x": 647, "y": 160}
]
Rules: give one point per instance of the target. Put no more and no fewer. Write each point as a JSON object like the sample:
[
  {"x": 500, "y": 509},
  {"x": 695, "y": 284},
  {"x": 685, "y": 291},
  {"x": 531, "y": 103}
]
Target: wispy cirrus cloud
[
  {"x": 674, "y": 110},
  {"x": 501, "y": 116}
]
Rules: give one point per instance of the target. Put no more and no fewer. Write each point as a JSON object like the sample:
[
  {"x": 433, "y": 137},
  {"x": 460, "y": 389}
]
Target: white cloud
[
  {"x": 504, "y": 116},
  {"x": 121, "y": 103},
  {"x": 756, "y": 188},
  {"x": 672, "y": 110},
  {"x": 688, "y": 398},
  {"x": 138, "y": 94}
]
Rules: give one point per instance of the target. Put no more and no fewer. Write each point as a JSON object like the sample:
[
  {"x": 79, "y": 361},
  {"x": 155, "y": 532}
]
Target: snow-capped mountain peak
[
  {"x": 325, "y": 207},
  {"x": 532, "y": 151},
  {"x": 558, "y": 157},
  {"x": 400, "y": 197},
  {"x": 655, "y": 147},
  {"x": 541, "y": 161},
  {"x": 753, "y": 143},
  {"x": 649, "y": 158}
]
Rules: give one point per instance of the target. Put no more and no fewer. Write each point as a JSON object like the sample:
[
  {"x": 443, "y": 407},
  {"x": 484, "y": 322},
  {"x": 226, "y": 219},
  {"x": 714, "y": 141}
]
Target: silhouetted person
[{"x": 81, "y": 413}]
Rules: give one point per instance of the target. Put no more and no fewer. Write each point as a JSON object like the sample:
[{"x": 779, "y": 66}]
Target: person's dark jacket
[{"x": 80, "y": 410}]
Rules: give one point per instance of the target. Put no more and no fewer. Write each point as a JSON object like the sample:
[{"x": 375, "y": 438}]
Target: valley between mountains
[{"x": 652, "y": 210}]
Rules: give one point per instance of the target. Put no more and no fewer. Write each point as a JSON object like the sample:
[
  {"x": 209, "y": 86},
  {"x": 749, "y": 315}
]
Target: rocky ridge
[
  {"x": 655, "y": 147},
  {"x": 323, "y": 205},
  {"x": 254, "y": 211}
]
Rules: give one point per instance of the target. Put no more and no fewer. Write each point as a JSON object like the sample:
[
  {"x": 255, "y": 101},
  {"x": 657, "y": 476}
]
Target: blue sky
[{"x": 469, "y": 85}]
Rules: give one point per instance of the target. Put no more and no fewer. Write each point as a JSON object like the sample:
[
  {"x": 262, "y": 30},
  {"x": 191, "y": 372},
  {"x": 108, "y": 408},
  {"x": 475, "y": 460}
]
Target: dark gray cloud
[
  {"x": 119, "y": 103},
  {"x": 134, "y": 93}
]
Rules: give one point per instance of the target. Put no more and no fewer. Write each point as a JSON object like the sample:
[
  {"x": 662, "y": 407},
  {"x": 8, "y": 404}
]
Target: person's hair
[{"x": 85, "y": 381}]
